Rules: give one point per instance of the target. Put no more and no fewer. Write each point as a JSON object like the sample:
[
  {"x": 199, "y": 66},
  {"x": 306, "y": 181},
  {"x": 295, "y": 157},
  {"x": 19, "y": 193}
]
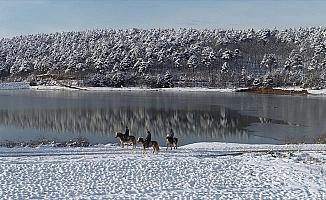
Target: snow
[
  {"x": 317, "y": 92},
  {"x": 295, "y": 88},
  {"x": 177, "y": 89},
  {"x": 14, "y": 85},
  {"x": 196, "y": 171},
  {"x": 310, "y": 91},
  {"x": 51, "y": 87},
  {"x": 257, "y": 147},
  {"x": 116, "y": 55}
]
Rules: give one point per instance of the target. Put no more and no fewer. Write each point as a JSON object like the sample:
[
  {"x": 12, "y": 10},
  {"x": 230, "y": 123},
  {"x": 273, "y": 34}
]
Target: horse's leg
[
  {"x": 144, "y": 150},
  {"x": 133, "y": 146}
]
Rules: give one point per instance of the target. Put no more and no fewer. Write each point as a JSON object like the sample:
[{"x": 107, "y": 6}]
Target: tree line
[{"x": 169, "y": 57}]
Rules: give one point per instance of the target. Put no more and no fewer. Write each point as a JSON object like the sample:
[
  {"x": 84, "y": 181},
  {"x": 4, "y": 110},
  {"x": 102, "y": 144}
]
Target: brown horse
[
  {"x": 172, "y": 142},
  {"x": 129, "y": 140},
  {"x": 153, "y": 144}
]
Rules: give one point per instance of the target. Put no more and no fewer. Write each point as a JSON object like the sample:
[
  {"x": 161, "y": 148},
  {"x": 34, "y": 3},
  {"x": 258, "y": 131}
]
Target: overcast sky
[{"x": 19, "y": 17}]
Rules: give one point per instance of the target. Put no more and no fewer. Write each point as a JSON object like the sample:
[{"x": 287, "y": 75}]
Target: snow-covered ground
[
  {"x": 176, "y": 89},
  {"x": 14, "y": 85},
  {"x": 190, "y": 89},
  {"x": 25, "y": 85},
  {"x": 196, "y": 171},
  {"x": 310, "y": 91}
]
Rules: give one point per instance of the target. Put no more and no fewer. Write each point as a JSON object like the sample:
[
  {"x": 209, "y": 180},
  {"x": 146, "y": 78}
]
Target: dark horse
[
  {"x": 172, "y": 142},
  {"x": 129, "y": 140},
  {"x": 153, "y": 144}
]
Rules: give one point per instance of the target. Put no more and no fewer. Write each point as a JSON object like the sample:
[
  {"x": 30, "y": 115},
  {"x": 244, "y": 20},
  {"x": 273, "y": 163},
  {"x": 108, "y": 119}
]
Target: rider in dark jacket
[
  {"x": 126, "y": 133},
  {"x": 170, "y": 135},
  {"x": 148, "y": 139}
]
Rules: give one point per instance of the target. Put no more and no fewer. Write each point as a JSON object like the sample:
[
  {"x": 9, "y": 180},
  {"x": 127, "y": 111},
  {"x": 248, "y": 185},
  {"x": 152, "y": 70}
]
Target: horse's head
[{"x": 140, "y": 140}]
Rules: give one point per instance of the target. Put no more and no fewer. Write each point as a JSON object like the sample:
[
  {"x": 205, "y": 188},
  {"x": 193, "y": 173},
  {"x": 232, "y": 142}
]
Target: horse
[
  {"x": 172, "y": 142},
  {"x": 154, "y": 144},
  {"x": 129, "y": 140}
]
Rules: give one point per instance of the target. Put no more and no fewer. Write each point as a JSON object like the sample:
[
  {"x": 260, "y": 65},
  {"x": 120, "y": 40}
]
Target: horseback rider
[
  {"x": 126, "y": 133},
  {"x": 171, "y": 134},
  {"x": 148, "y": 139}
]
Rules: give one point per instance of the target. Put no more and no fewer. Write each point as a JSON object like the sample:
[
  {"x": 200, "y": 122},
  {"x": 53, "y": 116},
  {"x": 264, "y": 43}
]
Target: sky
[{"x": 21, "y": 17}]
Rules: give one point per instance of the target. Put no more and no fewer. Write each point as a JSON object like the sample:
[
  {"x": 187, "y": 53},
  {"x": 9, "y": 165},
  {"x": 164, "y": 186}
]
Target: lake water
[{"x": 194, "y": 116}]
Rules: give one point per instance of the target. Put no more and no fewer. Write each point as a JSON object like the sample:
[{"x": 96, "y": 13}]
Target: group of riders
[{"x": 148, "y": 138}]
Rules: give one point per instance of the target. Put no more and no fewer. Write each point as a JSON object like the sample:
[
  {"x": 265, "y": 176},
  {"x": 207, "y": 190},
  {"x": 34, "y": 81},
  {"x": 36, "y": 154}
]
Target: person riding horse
[
  {"x": 148, "y": 139},
  {"x": 171, "y": 134},
  {"x": 147, "y": 143},
  {"x": 171, "y": 140},
  {"x": 126, "y": 133}
]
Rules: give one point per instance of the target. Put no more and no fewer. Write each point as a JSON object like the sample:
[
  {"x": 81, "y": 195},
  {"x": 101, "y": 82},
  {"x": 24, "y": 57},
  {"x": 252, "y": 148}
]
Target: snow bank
[
  {"x": 177, "y": 89},
  {"x": 198, "y": 171},
  {"x": 51, "y": 87},
  {"x": 217, "y": 146},
  {"x": 310, "y": 91},
  {"x": 318, "y": 92},
  {"x": 14, "y": 86},
  {"x": 132, "y": 89},
  {"x": 194, "y": 89}
]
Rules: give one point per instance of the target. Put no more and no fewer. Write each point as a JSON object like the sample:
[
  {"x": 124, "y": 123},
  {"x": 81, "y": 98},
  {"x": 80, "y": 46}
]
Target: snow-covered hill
[{"x": 167, "y": 57}]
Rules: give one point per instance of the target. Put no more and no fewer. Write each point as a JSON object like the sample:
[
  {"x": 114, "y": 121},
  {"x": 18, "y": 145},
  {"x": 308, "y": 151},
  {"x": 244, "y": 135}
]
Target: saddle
[
  {"x": 148, "y": 144},
  {"x": 170, "y": 138},
  {"x": 126, "y": 137}
]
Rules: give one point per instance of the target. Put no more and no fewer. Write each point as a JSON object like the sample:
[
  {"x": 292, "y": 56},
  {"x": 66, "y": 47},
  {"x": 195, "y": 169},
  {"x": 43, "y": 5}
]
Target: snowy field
[{"x": 196, "y": 171}]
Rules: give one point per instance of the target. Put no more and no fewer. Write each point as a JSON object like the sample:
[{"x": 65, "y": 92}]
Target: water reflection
[{"x": 190, "y": 125}]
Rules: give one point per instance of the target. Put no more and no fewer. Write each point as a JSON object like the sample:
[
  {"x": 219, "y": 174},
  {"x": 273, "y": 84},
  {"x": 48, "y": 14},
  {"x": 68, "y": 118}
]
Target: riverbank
[
  {"x": 276, "y": 90},
  {"x": 260, "y": 90},
  {"x": 195, "y": 171},
  {"x": 103, "y": 89}
]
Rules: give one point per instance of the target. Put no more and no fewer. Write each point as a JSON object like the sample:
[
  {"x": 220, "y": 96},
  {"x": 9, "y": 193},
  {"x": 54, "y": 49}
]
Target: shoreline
[
  {"x": 259, "y": 90},
  {"x": 109, "y": 89},
  {"x": 212, "y": 146},
  {"x": 286, "y": 90}
]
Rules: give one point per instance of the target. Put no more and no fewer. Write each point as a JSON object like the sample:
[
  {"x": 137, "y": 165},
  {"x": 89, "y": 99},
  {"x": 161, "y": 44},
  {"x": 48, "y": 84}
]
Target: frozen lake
[{"x": 194, "y": 116}]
